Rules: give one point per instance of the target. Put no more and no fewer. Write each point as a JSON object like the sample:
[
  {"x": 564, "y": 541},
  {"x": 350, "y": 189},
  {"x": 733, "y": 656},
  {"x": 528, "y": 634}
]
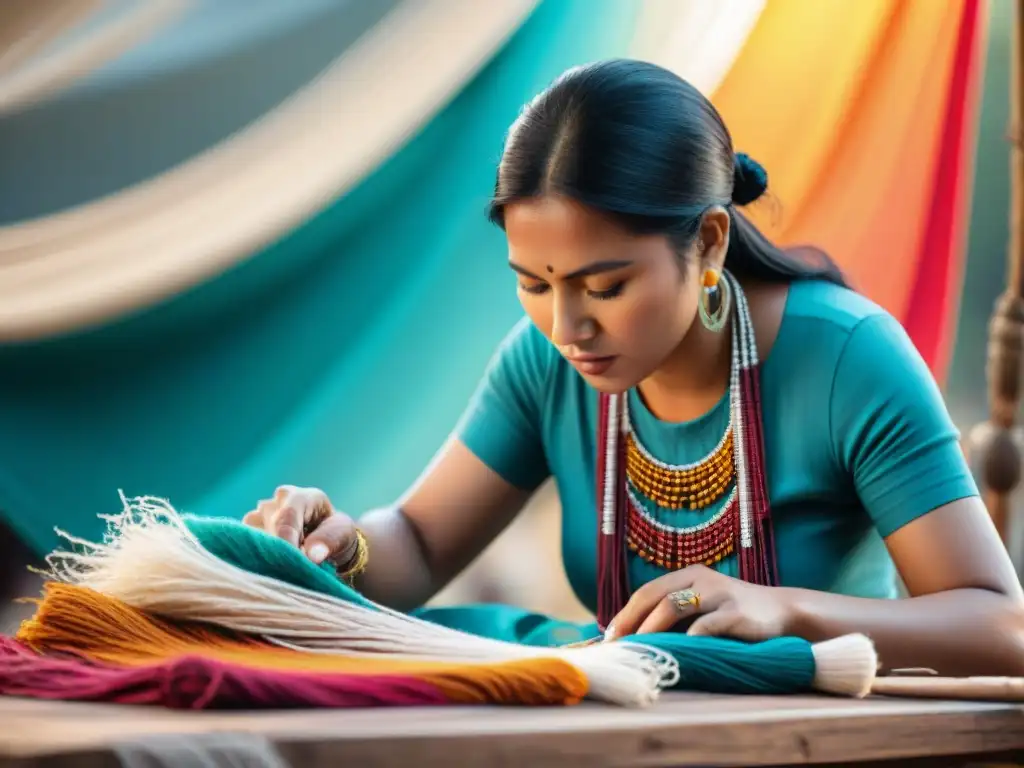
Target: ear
[{"x": 714, "y": 234}]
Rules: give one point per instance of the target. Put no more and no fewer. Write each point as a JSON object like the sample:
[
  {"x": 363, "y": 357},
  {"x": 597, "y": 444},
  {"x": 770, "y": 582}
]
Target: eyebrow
[{"x": 596, "y": 268}]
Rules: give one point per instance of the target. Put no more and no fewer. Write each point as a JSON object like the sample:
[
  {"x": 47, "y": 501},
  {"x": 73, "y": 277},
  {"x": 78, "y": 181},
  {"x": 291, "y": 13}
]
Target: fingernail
[
  {"x": 609, "y": 634},
  {"x": 318, "y": 552}
]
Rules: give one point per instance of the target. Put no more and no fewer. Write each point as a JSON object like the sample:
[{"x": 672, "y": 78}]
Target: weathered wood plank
[{"x": 684, "y": 729}]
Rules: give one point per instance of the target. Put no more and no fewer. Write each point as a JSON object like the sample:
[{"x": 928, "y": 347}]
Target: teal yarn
[
  {"x": 259, "y": 552},
  {"x": 710, "y": 664},
  {"x": 784, "y": 665},
  {"x": 508, "y": 624}
]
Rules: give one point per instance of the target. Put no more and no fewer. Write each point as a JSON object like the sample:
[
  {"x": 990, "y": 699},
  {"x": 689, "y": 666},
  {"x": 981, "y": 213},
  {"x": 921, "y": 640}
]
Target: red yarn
[{"x": 193, "y": 682}]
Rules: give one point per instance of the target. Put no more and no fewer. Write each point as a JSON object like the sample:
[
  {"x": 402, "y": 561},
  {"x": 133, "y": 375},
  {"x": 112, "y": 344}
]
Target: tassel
[
  {"x": 846, "y": 665},
  {"x": 184, "y": 582}
]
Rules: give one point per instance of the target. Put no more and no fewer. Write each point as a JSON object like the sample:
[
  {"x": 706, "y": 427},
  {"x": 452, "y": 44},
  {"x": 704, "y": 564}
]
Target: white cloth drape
[
  {"x": 697, "y": 39},
  {"x": 112, "y": 256},
  {"x": 43, "y": 50}
]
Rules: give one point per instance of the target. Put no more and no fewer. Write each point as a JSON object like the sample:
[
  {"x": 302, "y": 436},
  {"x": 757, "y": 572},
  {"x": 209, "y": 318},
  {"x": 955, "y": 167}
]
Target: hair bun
[{"x": 750, "y": 180}]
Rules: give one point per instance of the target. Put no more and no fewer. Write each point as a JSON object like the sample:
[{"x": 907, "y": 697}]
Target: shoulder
[
  {"x": 841, "y": 354},
  {"x": 524, "y": 338},
  {"x": 824, "y": 325},
  {"x": 525, "y": 353},
  {"x": 526, "y": 368},
  {"x": 831, "y": 306}
]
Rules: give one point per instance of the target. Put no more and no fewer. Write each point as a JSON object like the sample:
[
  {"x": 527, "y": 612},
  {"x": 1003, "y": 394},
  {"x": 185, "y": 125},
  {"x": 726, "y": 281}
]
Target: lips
[{"x": 593, "y": 365}]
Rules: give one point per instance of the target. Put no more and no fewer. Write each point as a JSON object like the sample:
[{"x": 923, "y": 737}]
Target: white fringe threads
[
  {"x": 151, "y": 561},
  {"x": 845, "y": 665}
]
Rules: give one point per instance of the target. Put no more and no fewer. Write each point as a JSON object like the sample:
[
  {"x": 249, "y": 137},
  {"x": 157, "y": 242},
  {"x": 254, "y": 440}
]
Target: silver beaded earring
[{"x": 715, "y": 300}]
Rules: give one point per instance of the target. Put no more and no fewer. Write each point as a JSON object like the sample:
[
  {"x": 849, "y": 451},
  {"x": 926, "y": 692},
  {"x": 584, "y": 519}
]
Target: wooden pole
[{"x": 996, "y": 445}]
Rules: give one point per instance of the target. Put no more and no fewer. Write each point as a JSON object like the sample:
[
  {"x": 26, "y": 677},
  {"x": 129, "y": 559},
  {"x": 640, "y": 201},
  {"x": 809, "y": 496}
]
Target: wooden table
[{"x": 684, "y": 729}]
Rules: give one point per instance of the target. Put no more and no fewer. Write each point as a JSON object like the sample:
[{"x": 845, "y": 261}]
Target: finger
[
  {"x": 669, "y": 611},
  {"x": 284, "y": 491},
  {"x": 317, "y": 509},
  {"x": 286, "y": 523},
  {"x": 643, "y": 601},
  {"x": 331, "y": 538},
  {"x": 715, "y": 624},
  {"x": 253, "y": 519}
]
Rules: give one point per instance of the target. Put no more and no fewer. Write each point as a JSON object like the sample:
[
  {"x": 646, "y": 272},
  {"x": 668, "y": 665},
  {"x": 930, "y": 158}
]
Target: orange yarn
[{"x": 82, "y": 622}]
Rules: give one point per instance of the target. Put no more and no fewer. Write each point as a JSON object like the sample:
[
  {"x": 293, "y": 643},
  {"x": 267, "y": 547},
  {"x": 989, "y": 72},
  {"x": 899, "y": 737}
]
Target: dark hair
[{"x": 642, "y": 145}]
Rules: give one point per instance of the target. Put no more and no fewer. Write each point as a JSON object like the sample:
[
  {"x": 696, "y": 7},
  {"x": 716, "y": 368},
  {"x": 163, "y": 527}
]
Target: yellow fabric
[{"x": 851, "y": 123}]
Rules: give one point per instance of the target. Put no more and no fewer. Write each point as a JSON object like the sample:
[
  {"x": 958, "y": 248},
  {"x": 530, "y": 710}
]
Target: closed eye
[
  {"x": 609, "y": 293},
  {"x": 536, "y": 288}
]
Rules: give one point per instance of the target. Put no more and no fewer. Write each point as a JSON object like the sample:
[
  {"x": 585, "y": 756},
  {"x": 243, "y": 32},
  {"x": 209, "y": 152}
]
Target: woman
[{"x": 698, "y": 487}]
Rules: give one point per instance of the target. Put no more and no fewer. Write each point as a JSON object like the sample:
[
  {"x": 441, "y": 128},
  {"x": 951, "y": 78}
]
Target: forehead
[{"x": 562, "y": 233}]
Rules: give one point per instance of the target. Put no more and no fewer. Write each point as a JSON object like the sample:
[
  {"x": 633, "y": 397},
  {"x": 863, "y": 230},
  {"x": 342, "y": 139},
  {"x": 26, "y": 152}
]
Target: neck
[{"x": 693, "y": 377}]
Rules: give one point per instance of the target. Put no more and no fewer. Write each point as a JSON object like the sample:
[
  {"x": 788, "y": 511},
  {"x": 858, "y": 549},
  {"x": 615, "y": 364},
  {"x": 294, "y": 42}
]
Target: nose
[{"x": 569, "y": 326}]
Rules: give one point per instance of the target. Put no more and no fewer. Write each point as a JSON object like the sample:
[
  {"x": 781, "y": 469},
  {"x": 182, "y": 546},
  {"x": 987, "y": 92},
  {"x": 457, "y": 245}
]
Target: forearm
[
  {"x": 397, "y": 574},
  {"x": 957, "y": 633}
]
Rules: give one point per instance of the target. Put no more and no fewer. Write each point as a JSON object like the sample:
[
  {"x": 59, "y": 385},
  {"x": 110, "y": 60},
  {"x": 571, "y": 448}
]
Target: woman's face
[{"x": 616, "y": 305}]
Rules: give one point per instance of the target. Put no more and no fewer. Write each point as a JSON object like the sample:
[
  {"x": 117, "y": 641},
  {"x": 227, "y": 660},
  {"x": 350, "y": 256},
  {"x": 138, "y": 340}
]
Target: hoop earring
[{"x": 715, "y": 301}]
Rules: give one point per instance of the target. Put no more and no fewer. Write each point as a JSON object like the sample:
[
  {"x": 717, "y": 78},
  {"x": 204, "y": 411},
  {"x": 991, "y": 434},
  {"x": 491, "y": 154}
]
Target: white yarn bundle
[{"x": 152, "y": 562}]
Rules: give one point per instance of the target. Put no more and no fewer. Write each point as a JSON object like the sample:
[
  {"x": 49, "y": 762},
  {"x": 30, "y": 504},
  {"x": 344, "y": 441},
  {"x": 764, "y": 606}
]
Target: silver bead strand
[
  {"x": 610, "y": 467},
  {"x": 739, "y": 361}
]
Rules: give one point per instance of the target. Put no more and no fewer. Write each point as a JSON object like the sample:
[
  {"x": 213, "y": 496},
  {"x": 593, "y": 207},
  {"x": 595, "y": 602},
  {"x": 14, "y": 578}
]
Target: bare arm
[
  {"x": 965, "y": 615},
  {"x": 456, "y": 508}
]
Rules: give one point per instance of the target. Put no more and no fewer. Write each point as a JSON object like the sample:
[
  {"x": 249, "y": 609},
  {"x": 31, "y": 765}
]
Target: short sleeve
[
  {"x": 891, "y": 430},
  {"x": 502, "y": 425}
]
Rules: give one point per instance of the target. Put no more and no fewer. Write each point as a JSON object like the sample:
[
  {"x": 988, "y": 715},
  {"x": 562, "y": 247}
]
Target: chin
[{"x": 611, "y": 385}]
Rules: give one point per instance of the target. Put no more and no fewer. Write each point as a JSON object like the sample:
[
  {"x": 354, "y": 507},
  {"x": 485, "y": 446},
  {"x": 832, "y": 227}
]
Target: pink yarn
[{"x": 194, "y": 682}]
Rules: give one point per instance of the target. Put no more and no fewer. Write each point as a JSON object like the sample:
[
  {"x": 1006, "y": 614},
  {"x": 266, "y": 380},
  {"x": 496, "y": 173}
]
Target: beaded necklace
[{"x": 735, "y": 468}]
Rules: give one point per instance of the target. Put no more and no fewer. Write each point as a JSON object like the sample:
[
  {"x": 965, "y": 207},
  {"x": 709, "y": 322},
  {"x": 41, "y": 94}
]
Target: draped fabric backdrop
[{"x": 311, "y": 296}]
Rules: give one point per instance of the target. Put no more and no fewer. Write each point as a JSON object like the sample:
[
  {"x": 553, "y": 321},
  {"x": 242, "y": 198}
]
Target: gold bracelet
[{"x": 358, "y": 562}]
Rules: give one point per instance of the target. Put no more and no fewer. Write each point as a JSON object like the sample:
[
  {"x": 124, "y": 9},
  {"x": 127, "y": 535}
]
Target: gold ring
[{"x": 684, "y": 599}]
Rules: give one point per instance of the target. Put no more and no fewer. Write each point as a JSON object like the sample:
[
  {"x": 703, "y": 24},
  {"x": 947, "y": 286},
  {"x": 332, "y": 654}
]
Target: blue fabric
[
  {"x": 857, "y": 442},
  {"x": 317, "y": 362}
]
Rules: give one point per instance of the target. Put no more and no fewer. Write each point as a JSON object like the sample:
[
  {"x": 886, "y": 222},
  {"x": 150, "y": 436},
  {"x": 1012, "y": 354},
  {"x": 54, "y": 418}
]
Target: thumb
[{"x": 335, "y": 537}]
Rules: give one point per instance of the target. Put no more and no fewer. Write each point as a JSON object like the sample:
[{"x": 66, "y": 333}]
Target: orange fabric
[
  {"x": 81, "y": 622},
  {"x": 851, "y": 131},
  {"x": 790, "y": 90},
  {"x": 873, "y": 198}
]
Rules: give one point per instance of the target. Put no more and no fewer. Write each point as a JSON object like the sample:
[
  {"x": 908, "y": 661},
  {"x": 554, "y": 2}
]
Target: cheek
[
  {"x": 656, "y": 314},
  {"x": 537, "y": 310}
]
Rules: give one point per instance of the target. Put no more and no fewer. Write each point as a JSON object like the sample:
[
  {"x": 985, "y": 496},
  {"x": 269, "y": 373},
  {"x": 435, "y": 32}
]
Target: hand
[
  {"x": 723, "y": 606},
  {"x": 306, "y": 518}
]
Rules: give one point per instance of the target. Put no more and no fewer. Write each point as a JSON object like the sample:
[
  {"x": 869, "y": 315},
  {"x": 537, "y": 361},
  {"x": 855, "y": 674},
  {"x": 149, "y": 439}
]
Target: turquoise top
[{"x": 858, "y": 442}]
